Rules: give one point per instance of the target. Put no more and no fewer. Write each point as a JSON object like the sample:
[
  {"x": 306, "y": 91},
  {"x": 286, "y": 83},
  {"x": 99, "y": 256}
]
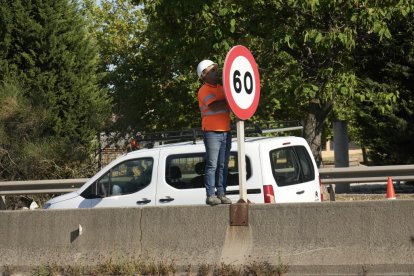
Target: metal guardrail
[
  {"x": 41, "y": 186},
  {"x": 363, "y": 174},
  {"x": 328, "y": 176}
]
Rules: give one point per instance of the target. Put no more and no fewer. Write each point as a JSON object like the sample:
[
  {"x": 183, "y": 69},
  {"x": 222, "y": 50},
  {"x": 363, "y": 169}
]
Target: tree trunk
[
  {"x": 313, "y": 126},
  {"x": 312, "y": 131}
]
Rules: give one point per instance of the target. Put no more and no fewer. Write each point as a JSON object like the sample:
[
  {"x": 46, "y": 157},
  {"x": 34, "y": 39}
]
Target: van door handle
[
  {"x": 166, "y": 199},
  {"x": 300, "y": 192},
  {"x": 143, "y": 201}
]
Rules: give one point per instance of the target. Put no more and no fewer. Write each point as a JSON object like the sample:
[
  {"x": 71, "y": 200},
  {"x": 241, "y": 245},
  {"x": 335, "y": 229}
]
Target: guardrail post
[
  {"x": 2, "y": 202},
  {"x": 341, "y": 153},
  {"x": 331, "y": 192}
]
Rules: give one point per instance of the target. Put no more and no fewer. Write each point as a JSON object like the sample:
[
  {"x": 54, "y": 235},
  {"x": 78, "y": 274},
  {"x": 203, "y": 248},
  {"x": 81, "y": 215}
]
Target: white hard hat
[{"x": 203, "y": 65}]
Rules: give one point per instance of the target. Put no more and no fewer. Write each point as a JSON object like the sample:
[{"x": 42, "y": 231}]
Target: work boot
[
  {"x": 213, "y": 200},
  {"x": 224, "y": 199}
]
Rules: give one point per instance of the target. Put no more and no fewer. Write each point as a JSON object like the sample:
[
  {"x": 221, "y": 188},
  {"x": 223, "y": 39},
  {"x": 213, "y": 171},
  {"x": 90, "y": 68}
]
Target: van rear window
[{"x": 291, "y": 165}]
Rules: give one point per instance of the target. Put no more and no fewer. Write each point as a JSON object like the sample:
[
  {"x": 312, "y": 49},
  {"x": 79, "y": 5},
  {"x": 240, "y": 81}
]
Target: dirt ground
[{"x": 377, "y": 191}]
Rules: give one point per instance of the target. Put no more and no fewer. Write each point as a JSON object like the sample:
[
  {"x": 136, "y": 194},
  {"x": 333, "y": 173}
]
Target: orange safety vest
[{"x": 218, "y": 120}]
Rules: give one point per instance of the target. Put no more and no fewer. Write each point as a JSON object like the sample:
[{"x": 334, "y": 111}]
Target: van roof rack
[{"x": 148, "y": 140}]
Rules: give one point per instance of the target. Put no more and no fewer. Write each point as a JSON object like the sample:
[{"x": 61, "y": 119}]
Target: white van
[{"x": 279, "y": 169}]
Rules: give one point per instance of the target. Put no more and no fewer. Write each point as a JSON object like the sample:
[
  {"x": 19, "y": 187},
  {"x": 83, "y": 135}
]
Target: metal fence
[{"x": 328, "y": 176}]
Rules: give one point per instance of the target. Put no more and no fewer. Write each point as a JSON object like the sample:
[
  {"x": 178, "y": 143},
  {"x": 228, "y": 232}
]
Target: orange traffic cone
[{"x": 390, "y": 189}]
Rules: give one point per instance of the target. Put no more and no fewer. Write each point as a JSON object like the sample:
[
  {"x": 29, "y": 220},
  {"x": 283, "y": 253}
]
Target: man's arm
[{"x": 218, "y": 105}]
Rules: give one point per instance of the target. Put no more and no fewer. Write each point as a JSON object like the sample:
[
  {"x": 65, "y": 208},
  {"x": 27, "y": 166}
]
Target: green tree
[
  {"x": 118, "y": 26},
  {"x": 305, "y": 50},
  {"x": 24, "y": 152},
  {"x": 46, "y": 49},
  {"x": 388, "y": 65}
]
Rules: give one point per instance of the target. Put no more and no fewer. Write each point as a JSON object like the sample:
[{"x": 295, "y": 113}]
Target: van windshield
[{"x": 291, "y": 165}]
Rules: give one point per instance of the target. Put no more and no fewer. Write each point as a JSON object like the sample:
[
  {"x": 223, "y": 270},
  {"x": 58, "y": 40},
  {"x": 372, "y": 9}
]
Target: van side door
[
  {"x": 181, "y": 177},
  {"x": 131, "y": 182}
]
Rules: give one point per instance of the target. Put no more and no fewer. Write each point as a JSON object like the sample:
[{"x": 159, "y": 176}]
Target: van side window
[
  {"x": 125, "y": 178},
  {"x": 291, "y": 165},
  {"x": 186, "y": 171},
  {"x": 233, "y": 176}
]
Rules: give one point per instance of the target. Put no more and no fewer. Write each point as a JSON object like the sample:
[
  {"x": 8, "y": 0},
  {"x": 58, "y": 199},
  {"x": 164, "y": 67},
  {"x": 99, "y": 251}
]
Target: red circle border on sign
[{"x": 235, "y": 52}]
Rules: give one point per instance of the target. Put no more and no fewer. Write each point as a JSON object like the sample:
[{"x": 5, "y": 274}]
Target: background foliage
[
  {"x": 69, "y": 70},
  {"x": 318, "y": 60},
  {"x": 52, "y": 107}
]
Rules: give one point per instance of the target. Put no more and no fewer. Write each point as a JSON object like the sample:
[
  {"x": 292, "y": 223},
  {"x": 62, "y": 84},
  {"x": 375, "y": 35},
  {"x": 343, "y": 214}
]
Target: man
[{"x": 215, "y": 123}]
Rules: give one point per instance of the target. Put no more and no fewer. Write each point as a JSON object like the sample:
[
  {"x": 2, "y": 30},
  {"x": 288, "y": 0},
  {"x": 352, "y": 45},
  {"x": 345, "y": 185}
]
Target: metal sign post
[{"x": 241, "y": 155}]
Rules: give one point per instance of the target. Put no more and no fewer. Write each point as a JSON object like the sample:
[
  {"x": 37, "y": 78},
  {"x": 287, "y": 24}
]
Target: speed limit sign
[
  {"x": 241, "y": 82},
  {"x": 242, "y": 89}
]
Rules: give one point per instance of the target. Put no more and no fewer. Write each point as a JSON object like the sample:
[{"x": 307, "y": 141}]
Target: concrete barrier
[{"x": 329, "y": 237}]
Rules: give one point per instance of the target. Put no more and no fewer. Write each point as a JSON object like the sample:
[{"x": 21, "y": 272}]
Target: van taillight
[
  {"x": 320, "y": 188},
  {"x": 269, "y": 194}
]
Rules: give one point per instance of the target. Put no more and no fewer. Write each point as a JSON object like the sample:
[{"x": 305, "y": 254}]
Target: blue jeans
[{"x": 218, "y": 145}]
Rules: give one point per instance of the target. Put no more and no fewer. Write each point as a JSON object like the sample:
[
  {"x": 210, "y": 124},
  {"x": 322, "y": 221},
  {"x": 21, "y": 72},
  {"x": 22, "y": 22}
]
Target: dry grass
[{"x": 139, "y": 268}]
